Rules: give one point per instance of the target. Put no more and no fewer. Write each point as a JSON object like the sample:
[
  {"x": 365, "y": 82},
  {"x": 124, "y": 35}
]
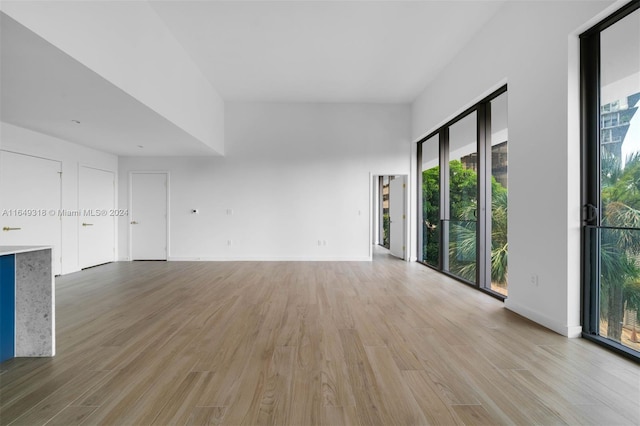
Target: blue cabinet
[{"x": 7, "y": 306}]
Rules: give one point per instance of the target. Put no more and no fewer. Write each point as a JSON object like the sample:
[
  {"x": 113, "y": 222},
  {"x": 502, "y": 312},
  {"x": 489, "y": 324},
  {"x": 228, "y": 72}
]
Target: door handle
[
  {"x": 589, "y": 212},
  {"x": 133, "y": 222},
  {"x": 87, "y": 224},
  {"x": 6, "y": 228}
]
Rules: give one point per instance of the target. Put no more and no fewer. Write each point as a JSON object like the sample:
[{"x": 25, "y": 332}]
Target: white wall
[
  {"x": 532, "y": 46},
  {"x": 128, "y": 44},
  {"x": 72, "y": 156},
  {"x": 293, "y": 174}
]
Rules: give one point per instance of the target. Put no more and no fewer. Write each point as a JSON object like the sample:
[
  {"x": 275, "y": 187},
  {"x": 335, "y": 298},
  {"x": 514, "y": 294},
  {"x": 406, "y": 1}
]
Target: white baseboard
[
  {"x": 570, "y": 331},
  {"x": 268, "y": 259}
]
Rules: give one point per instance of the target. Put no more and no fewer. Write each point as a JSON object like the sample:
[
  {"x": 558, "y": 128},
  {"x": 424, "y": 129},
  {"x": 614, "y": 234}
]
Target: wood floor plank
[
  {"x": 396, "y": 395},
  {"x": 158, "y": 404},
  {"x": 339, "y": 416},
  {"x": 452, "y": 383},
  {"x": 205, "y": 416},
  {"x": 15, "y": 402},
  {"x": 600, "y": 414},
  {"x": 275, "y": 406},
  {"x": 305, "y": 343},
  {"x": 475, "y": 415},
  {"x": 370, "y": 407},
  {"x": 174, "y": 400},
  {"x": 435, "y": 410},
  {"x": 71, "y": 416},
  {"x": 306, "y": 397},
  {"x": 242, "y": 399},
  {"x": 134, "y": 394},
  {"x": 503, "y": 399},
  {"x": 57, "y": 401},
  {"x": 391, "y": 334},
  {"x": 336, "y": 387},
  {"x": 548, "y": 395}
]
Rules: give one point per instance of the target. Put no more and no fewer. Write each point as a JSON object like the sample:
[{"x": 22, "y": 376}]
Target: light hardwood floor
[{"x": 302, "y": 343}]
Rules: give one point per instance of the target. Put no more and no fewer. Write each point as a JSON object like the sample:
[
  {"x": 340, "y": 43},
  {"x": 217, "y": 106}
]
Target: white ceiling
[
  {"x": 44, "y": 89},
  {"x": 272, "y": 51},
  {"x": 327, "y": 51}
]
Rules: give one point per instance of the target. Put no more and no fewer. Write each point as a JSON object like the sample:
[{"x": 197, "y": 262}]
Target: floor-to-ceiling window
[
  {"x": 460, "y": 221},
  {"x": 499, "y": 194},
  {"x": 610, "y": 62},
  {"x": 430, "y": 221},
  {"x": 462, "y": 199}
]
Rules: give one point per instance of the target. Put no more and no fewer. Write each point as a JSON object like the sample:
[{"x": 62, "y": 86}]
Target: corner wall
[
  {"x": 531, "y": 47},
  {"x": 293, "y": 174}
]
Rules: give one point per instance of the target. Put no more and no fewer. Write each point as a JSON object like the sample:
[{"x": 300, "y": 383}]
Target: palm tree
[
  {"x": 462, "y": 231},
  {"x": 499, "y": 242},
  {"x": 463, "y": 244},
  {"x": 619, "y": 245}
]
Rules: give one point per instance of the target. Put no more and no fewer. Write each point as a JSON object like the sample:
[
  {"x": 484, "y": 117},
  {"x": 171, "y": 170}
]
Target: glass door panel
[
  {"x": 499, "y": 194},
  {"x": 619, "y": 235},
  {"x": 619, "y": 285},
  {"x": 461, "y": 224},
  {"x": 431, "y": 201},
  {"x": 385, "y": 213}
]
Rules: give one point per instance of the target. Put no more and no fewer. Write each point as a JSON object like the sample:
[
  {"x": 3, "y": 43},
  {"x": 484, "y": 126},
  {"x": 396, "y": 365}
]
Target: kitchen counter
[{"x": 27, "y": 297}]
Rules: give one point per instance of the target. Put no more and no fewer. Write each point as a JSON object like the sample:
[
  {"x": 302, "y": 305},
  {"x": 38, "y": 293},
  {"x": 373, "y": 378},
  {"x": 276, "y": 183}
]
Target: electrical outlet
[{"x": 533, "y": 279}]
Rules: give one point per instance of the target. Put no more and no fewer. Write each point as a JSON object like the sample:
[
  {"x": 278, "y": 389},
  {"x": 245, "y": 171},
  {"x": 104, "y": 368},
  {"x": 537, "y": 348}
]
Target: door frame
[
  {"x": 114, "y": 204},
  {"x": 374, "y": 208},
  {"x": 168, "y": 198}
]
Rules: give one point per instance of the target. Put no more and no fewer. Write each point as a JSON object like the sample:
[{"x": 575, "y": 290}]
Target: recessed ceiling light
[{"x": 75, "y": 121}]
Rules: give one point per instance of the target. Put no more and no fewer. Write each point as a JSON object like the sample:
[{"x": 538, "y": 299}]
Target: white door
[
  {"x": 148, "y": 220},
  {"x": 96, "y": 201},
  {"x": 30, "y": 201},
  {"x": 397, "y": 217}
]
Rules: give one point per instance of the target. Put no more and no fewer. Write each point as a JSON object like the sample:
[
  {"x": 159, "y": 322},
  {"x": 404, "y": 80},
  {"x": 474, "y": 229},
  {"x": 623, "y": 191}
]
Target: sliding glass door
[
  {"x": 463, "y": 196},
  {"x": 430, "y": 187},
  {"x": 611, "y": 180},
  {"x": 499, "y": 203},
  {"x": 461, "y": 218}
]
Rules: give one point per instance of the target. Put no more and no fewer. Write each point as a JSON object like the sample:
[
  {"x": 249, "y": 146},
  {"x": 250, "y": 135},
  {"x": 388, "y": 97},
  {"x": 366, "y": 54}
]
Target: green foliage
[
  {"x": 463, "y": 204},
  {"x": 620, "y": 185},
  {"x": 431, "y": 215},
  {"x": 499, "y": 242},
  {"x": 619, "y": 248},
  {"x": 463, "y": 190},
  {"x": 386, "y": 223}
]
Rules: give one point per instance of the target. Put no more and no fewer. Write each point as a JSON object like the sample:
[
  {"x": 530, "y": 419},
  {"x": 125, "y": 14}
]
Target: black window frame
[
  {"x": 590, "y": 116},
  {"x": 483, "y": 224}
]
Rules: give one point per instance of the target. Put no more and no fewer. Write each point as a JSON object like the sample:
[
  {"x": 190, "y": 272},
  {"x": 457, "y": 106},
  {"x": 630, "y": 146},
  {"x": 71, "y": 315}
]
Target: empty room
[{"x": 362, "y": 212}]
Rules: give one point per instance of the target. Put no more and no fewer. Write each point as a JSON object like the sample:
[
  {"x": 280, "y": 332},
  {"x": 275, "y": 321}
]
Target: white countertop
[{"x": 5, "y": 250}]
